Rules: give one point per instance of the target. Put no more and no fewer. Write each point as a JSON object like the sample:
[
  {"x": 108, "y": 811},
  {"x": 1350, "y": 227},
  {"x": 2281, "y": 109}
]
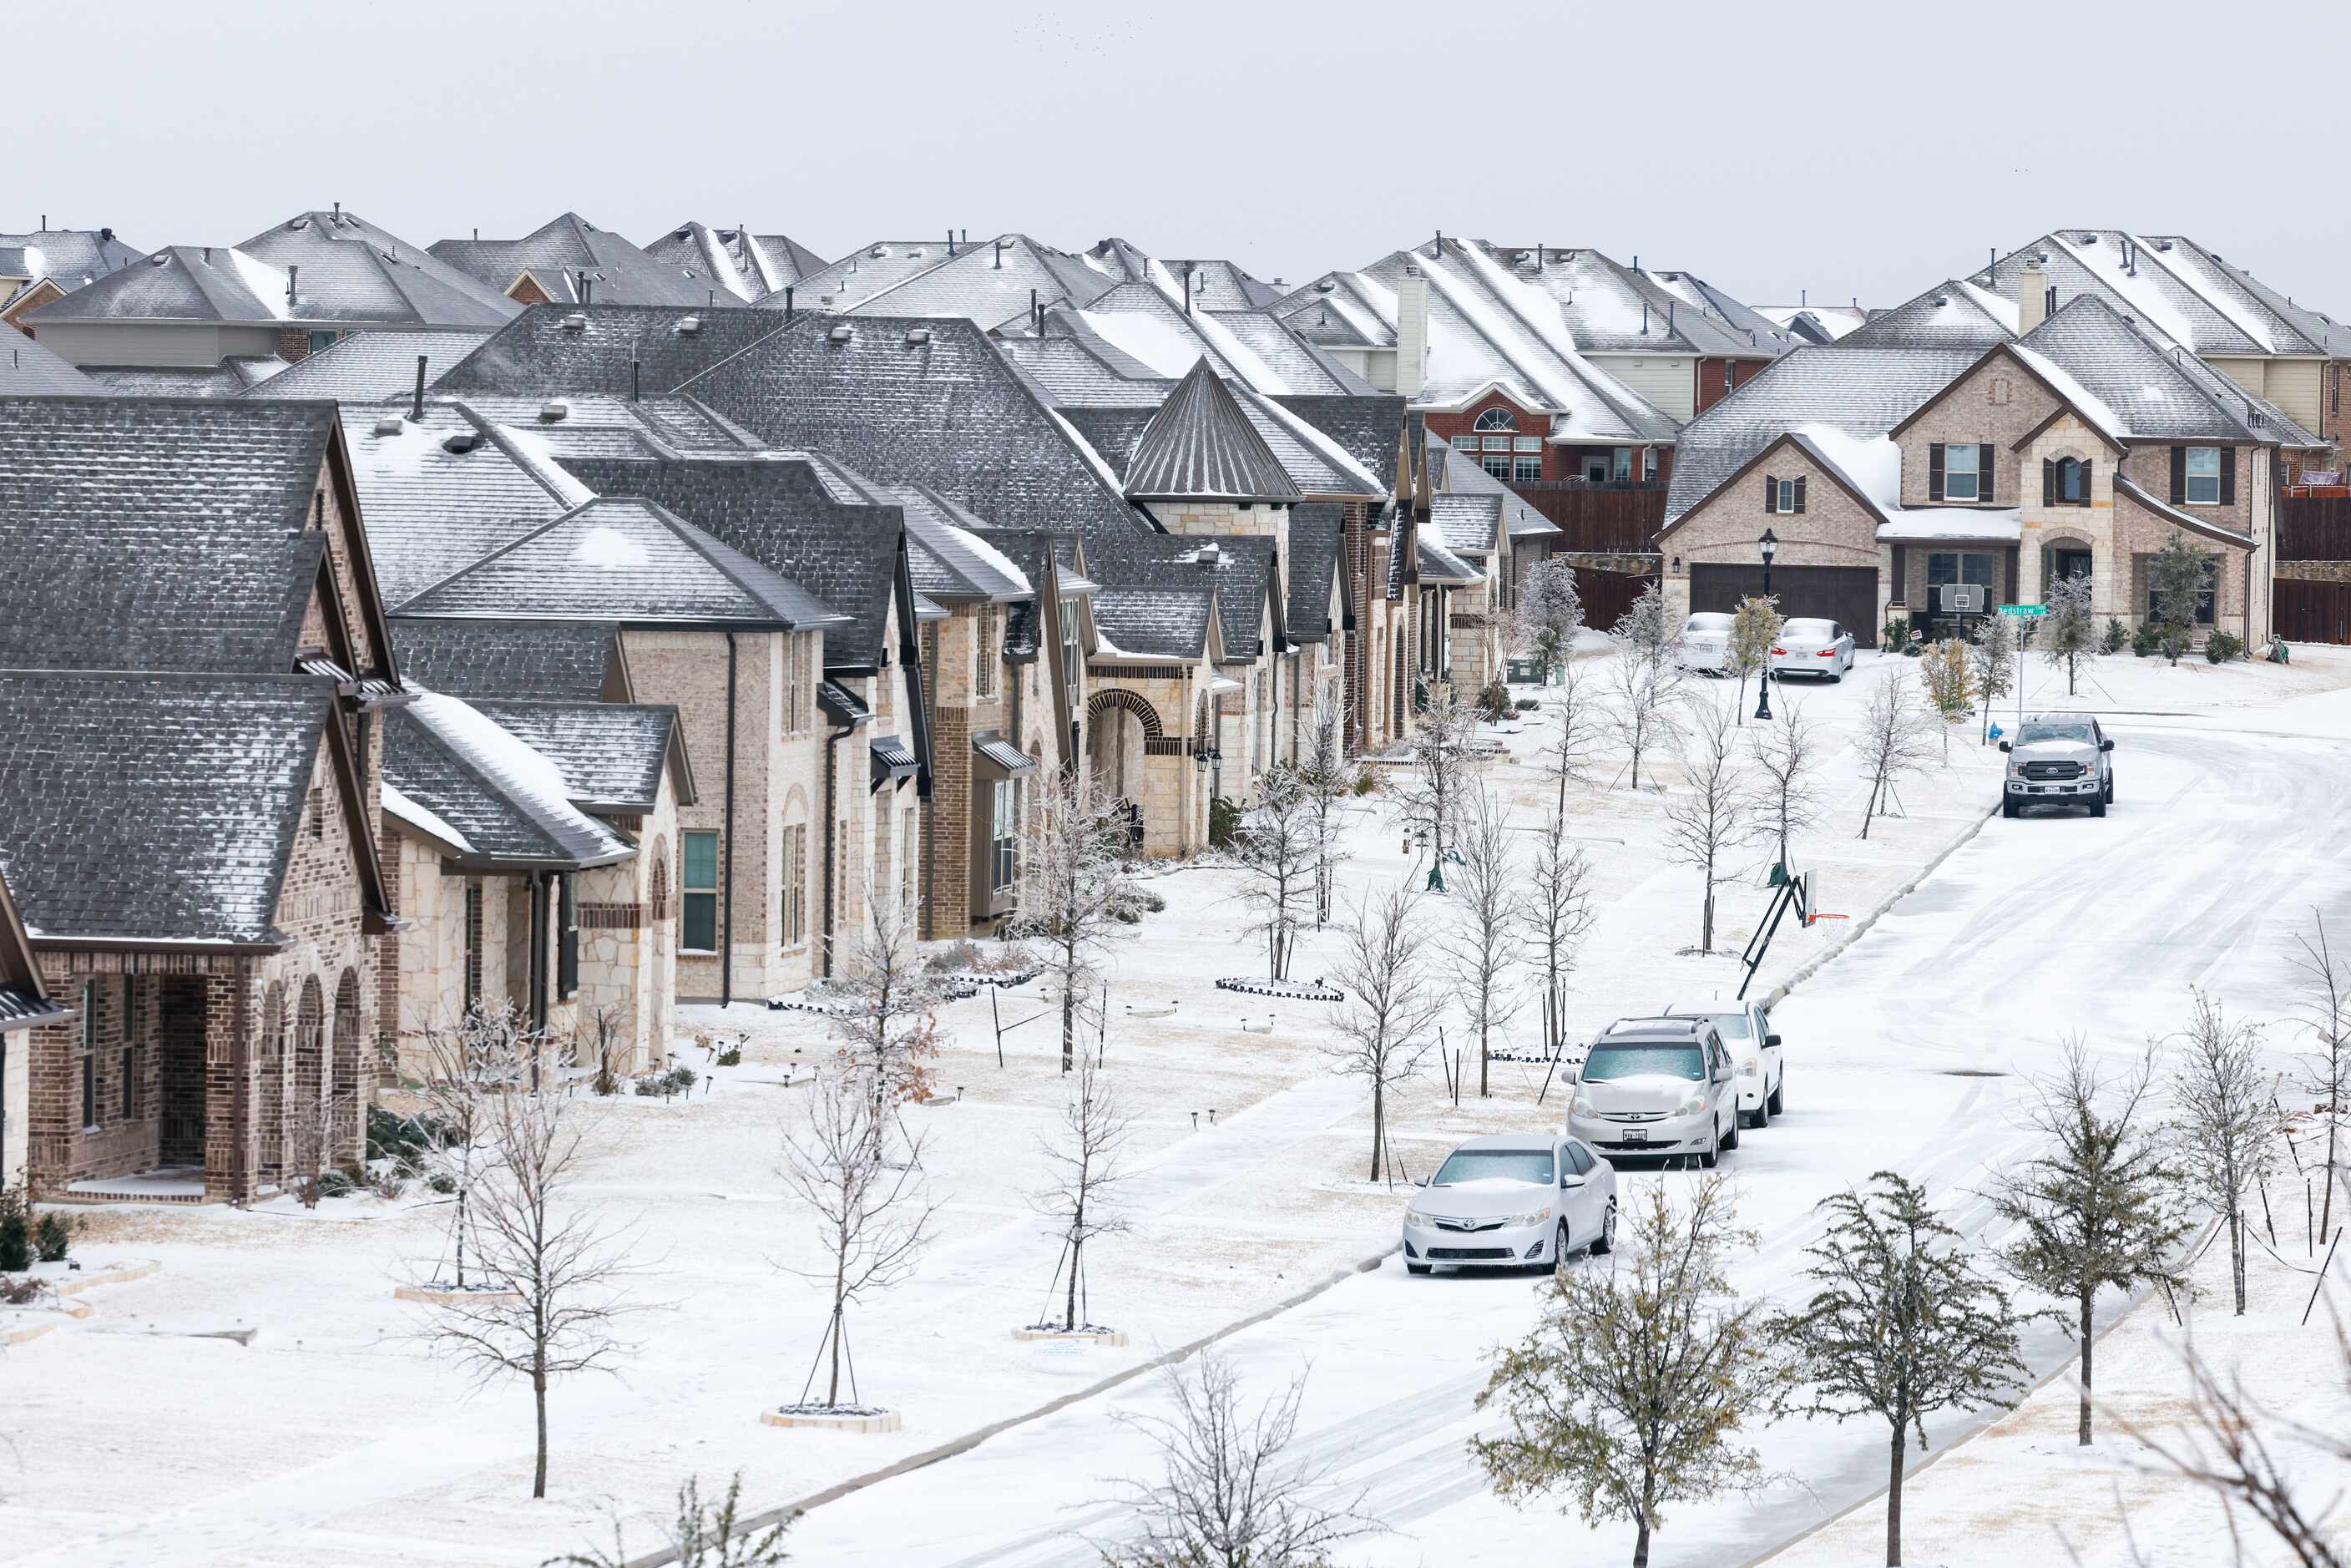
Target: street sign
[{"x": 2024, "y": 610}]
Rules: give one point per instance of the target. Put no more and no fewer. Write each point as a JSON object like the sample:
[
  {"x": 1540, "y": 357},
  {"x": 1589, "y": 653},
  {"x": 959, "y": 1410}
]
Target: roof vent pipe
[
  {"x": 416, "y": 411},
  {"x": 575, "y": 322},
  {"x": 208, "y": 256},
  {"x": 1187, "y": 291},
  {"x": 951, "y": 250},
  {"x": 636, "y": 376},
  {"x": 291, "y": 273},
  {"x": 1036, "y": 315},
  {"x": 1645, "y": 317},
  {"x": 1669, "y": 317},
  {"x": 999, "y": 253},
  {"x": 789, "y": 311},
  {"x": 339, "y": 211}
]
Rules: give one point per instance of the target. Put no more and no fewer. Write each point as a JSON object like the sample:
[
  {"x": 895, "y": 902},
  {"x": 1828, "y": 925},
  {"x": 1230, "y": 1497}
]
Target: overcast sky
[{"x": 1850, "y": 149}]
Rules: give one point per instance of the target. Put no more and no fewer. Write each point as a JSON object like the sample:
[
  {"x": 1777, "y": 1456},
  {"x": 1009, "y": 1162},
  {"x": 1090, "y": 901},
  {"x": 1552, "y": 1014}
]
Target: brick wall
[
  {"x": 1443, "y": 427},
  {"x": 1834, "y": 529},
  {"x": 1998, "y": 403}
]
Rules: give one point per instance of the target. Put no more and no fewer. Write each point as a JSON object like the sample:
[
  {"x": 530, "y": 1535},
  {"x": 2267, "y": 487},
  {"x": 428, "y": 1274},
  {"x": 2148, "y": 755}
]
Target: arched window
[
  {"x": 1500, "y": 450},
  {"x": 2067, "y": 483}
]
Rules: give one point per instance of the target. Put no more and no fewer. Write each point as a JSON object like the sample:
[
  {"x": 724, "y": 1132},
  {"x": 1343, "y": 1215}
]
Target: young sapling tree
[
  {"x": 1084, "y": 1156},
  {"x": 1556, "y": 911},
  {"x": 2179, "y": 578},
  {"x": 2226, "y": 1122},
  {"x": 1576, "y": 721},
  {"x": 2068, "y": 634},
  {"x": 1428, "y": 796},
  {"x": 1485, "y": 941},
  {"x": 887, "y": 1027},
  {"x": 1077, "y": 895},
  {"x": 1393, "y": 1001},
  {"x": 2326, "y": 1069},
  {"x": 1902, "y": 1323},
  {"x": 1754, "y": 626},
  {"x": 1329, "y": 773},
  {"x": 1892, "y": 742},
  {"x": 706, "y": 1535},
  {"x": 1789, "y": 752},
  {"x": 1992, "y": 661},
  {"x": 1644, "y": 680},
  {"x": 1717, "y": 813},
  {"x": 1949, "y": 685},
  {"x": 1279, "y": 851},
  {"x": 466, "y": 1066},
  {"x": 1550, "y": 614}
]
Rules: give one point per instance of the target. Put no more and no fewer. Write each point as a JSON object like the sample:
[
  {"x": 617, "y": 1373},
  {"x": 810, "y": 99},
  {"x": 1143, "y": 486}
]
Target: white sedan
[
  {"x": 1705, "y": 642},
  {"x": 1511, "y": 1203},
  {"x": 1806, "y": 647}
]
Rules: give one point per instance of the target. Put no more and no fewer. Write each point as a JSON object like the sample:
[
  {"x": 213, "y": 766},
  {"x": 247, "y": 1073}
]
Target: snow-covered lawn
[{"x": 333, "y": 1437}]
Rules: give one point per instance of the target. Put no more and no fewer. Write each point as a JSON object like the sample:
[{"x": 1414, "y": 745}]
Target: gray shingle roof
[
  {"x": 511, "y": 803},
  {"x": 30, "y": 368},
  {"x": 2156, "y": 392},
  {"x": 780, "y": 514},
  {"x": 1082, "y": 370},
  {"x": 157, "y": 535},
  {"x": 69, "y": 256},
  {"x": 1153, "y": 597},
  {"x": 2184, "y": 293},
  {"x": 612, "y": 753},
  {"x": 566, "y": 661},
  {"x": 537, "y": 355},
  {"x": 232, "y": 377},
  {"x": 151, "y": 806},
  {"x": 1952, "y": 314},
  {"x": 1466, "y": 478},
  {"x": 735, "y": 261},
  {"x": 429, "y": 510},
  {"x": 1367, "y": 426},
  {"x": 1602, "y": 302},
  {"x": 354, "y": 271},
  {"x": 930, "y": 402},
  {"x": 1202, "y": 445},
  {"x": 988, "y": 281},
  {"x": 1314, "y": 532},
  {"x": 1735, "y": 315},
  {"x": 559, "y": 250},
  {"x": 1862, "y": 392},
  {"x": 617, "y": 557},
  {"x": 951, "y": 556},
  {"x": 1247, "y": 588},
  {"x": 177, "y": 282},
  {"x": 370, "y": 366},
  {"x": 1466, "y": 523}
]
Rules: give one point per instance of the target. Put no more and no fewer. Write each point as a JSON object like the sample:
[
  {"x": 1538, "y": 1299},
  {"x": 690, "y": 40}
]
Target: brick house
[
  {"x": 25, "y": 1003},
  {"x": 1929, "y": 484}
]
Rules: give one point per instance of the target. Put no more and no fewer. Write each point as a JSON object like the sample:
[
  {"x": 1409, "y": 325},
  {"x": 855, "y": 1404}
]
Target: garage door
[{"x": 1841, "y": 593}]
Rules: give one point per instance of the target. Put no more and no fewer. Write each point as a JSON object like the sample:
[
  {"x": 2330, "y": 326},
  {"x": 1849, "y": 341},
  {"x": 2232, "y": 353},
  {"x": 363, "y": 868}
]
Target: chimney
[
  {"x": 2032, "y": 295},
  {"x": 1412, "y": 333}
]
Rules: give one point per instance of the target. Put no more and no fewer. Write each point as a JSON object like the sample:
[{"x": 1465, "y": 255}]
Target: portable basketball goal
[{"x": 1790, "y": 889}]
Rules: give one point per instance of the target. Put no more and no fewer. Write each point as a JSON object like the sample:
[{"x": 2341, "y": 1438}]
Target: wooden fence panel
[
  {"x": 2313, "y": 527},
  {"x": 2313, "y": 611},
  {"x": 1599, "y": 517}
]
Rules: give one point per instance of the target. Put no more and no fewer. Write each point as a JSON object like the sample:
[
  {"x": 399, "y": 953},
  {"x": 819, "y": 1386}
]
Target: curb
[{"x": 973, "y": 1439}]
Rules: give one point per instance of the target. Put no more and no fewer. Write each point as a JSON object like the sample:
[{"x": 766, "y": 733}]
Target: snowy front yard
[{"x": 330, "y": 1433}]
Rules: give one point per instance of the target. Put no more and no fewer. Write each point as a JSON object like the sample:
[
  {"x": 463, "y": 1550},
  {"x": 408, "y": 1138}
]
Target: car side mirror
[
  {"x": 2105, "y": 746},
  {"x": 1420, "y": 1181},
  {"x": 1570, "y": 1181},
  {"x": 2003, "y": 745},
  {"x": 1771, "y": 1040}
]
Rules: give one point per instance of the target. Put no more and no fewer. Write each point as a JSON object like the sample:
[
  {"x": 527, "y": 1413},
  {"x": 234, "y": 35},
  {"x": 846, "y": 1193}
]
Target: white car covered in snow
[
  {"x": 1705, "y": 642},
  {"x": 1511, "y": 1203},
  {"x": 1810, "y": 647},
  {"x": 1746, "y": 1030},
  {"x": 1658, "y": 1086}
]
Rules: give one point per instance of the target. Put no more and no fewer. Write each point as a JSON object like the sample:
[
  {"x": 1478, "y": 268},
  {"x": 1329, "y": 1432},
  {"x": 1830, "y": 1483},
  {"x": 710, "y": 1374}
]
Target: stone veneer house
[
  {"x": 190, "y": 844},
  {"x": 1913, "y": 482}
]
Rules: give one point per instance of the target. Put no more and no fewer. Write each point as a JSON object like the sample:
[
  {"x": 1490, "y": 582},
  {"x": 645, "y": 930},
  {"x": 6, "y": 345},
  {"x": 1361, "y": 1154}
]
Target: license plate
[{"x": 1636, "y": 1135}]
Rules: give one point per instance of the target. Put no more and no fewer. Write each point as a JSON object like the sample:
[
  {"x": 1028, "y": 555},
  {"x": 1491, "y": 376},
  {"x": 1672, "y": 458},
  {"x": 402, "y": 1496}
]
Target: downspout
[
  {"x": 538, "y": 956},
  {"x": 832, "y": 776},
  {"x": 727, "y": 907}
]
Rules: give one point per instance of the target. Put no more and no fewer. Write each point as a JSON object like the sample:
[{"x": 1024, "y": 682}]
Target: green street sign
[{"x": 2024, "y": 610}]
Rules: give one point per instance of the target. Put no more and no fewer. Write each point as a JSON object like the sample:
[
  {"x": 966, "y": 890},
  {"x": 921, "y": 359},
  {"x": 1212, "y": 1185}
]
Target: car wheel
[
  {"x": 1778, "y": 1103},
  {"x": 2008, "y": 805},
  {"x": 1713, "y": 1155},
  {"x": 1731, "y": 1142},
  {"x": 1606, "y": 1242},
  {"x": 1559, "y": 1247},
  {"x": 1763, "y": 1117},
  {"x": 2110, "y": 788},
  {"x": 1417, "y": 1268},
  {"x": 2097, "y": 805},
  {"x": 1836, "y": 677}
]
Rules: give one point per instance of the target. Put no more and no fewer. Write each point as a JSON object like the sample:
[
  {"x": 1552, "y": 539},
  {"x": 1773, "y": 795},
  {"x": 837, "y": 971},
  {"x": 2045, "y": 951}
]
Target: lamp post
[{"x": 1770, "y": 545}]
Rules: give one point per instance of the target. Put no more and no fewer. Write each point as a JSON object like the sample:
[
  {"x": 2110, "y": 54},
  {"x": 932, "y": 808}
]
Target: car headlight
[
  {"x": 1531, "y": 1217},
  {"x": 1417, "y": 1216},
  {"x": 1692, "y": 1106},
  {"x": 1749, "y": 1067},
  {"x": 2016, "y": 771},
  {"x": 1584, "y": 1106}
]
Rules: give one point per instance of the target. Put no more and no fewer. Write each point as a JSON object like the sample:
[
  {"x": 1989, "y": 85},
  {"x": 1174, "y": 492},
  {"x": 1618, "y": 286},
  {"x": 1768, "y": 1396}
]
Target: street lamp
[{"x": 1770, "y": 545}]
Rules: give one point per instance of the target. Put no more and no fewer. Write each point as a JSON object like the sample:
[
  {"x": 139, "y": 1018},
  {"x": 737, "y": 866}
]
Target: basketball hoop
[{"x": 1811, "y": 919}]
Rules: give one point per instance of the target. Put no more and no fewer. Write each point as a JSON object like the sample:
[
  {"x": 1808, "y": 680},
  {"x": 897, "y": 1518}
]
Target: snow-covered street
[{"x": 1907, "y": 1049}]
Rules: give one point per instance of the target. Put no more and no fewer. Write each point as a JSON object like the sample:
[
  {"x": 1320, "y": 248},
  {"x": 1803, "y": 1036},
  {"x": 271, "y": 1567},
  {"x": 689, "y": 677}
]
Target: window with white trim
[
  {"x": 2203, "y": 475},
  {"x": 698, "y": 881},
  {"x": 1959, "y": 471},
  {"x": 1004, "y": 835},
  {"x": 794, "y": 921}
]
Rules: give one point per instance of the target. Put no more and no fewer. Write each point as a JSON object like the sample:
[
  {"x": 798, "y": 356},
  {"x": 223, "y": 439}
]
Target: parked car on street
[
  {"x": 2059, "y": 759},
  {"x": 1657, "y": 1086},
  {"x": 1511, "y": 1202},
  {"x": 1809, "y": 647},
  {"x": 1705, "y": 642},
  {"x": 1746, "y": 1029}
]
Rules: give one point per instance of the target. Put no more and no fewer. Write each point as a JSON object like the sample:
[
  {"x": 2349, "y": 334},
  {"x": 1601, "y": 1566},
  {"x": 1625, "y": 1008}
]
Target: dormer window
[
  {"x": 1501, "y": 451},
  {"x": 2065, "y": 482}
]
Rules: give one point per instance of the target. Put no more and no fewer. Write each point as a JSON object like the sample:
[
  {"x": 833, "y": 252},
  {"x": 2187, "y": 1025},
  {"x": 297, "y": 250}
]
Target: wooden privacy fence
[
  {"x": 2313, "y": 611},
  {"x": 2312, "y": 527},
  {"x": 1610, "y": 517},
  {"x": 1607, "y": 595}
]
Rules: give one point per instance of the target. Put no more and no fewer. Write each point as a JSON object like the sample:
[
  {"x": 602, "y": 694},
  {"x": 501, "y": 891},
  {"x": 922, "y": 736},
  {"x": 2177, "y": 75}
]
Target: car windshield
[
  {"x": 2040, "y": 729},
  {"x": 1608, "y": 1063},
  {"x": 1708, "y": 621},
  {"x": 1810, "y": 631},
  {"x": 1490, "y": 1165},
  {"x": 1730, "y": 1026}
]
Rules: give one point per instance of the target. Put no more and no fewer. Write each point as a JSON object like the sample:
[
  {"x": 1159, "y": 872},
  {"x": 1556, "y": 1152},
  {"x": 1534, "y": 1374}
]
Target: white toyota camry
[
  {"x": 1808, "y": 647},
  {"x": 1705, "y": 642}
]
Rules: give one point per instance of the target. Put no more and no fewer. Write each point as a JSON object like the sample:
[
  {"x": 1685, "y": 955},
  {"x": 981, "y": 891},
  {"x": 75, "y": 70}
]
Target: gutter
[{"x": 727, "y": 907}]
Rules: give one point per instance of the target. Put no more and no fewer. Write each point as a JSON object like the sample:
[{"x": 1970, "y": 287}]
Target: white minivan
[
  {"x": 1664, "y": 1087},
  {"x": 1746, "y": 1030}
]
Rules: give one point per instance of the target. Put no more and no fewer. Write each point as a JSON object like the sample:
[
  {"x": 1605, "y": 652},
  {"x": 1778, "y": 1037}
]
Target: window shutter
[
  {"x": 2228, "y": 475},
  {"x": 1983, "y": 472},
  {"x": 2085, "y": 483},
  {"x": 2048, "y": 481},
  {"x": 1770, "y": 494},
  {"x": 1935, "y": 472},
  {"x": 1800, "y": 494},
  {"x": 2179, "y": 475}
]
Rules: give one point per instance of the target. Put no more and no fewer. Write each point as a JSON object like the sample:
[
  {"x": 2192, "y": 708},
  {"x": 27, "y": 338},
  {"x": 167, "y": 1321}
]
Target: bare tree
[
  {"x": 1278, "y": 851},
  {"x": 707, "y": 1535},
  {"x": 1903, "y": 1323},
  {"x": 1081, "y": 1200},
  {"x": 1078, "y": 897},
  {"x": 603, "y": 1044},
  {"x": 887, "y": 1022},
  {"x": 1789, "y": 754},
  {"x": 1754, "y": 627},
  {"x": 1644, "y": 679},
  {"x": 1330, "y": 774},
  {"x": 1550, "y": 612},
  {"x": 1892, "y": 742},
  {"x": 2326, "y": 1070},
  {"x": 316, "y": 1129},
  {"x": 1991, "y": 660},
  {"x": 554, "y": 1273},
  {"x": 1485, "y": 941},
  {"x": 466, "y": 1067},
  {"x": 2226, "y": 1119},
  {"x": 1392, "y": 1003},
  {"x": 1229, "y": 1494},
  {"x": 1428, "y": 798},
  {"x": 1718, "y": 814},
  {"x": 2095, "y": 1209},
  {"x": 1577, "y": 719},
  {"x": 2068, "y": 634},
  {"x": 1629, "y": 1393},
  {"x": 1949, "y": 684},
  {"x": 1556, "y": 911},
  {"x": 870, "y": 1218}
]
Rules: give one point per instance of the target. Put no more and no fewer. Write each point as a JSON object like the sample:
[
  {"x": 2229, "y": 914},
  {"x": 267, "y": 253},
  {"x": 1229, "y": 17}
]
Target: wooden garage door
[{"x": 1847, "y": 595}]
